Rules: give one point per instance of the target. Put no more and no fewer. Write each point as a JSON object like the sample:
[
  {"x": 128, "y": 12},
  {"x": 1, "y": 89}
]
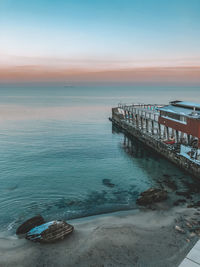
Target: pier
[{"x": 171, "y": 130}]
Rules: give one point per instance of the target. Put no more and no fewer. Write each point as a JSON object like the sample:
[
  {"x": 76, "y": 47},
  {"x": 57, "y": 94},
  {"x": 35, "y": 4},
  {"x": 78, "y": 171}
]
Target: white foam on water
[{"x": 11, "y": 225}]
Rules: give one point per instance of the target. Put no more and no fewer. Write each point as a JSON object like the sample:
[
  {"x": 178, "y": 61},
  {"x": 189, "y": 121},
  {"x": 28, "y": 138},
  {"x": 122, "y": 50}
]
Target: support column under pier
[
  {"x": 147, "y": 125},
  {"x": 128, "y": 116},
  {"x": 167, "y": 129},
  {"x": 173, "y": 133},
  {"x": 141, "y": 120},
  {"x": 188, "y": 139},
  {"x": 177, "y": 136},
  {"x": 159, "y": 130},
  {"x": 182, "y": 138},
  {"x": 152, "y": 127},
  {"x": 137, "y": 121}
]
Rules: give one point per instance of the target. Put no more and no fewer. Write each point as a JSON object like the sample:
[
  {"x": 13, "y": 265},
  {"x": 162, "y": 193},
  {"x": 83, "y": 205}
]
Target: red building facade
[{"x": 183, "y": 118}]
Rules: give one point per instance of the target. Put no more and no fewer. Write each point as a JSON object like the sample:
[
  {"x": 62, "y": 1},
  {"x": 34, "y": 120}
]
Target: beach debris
[
  {"x": 188, "y": 225},
  {"x": 50, "y": 232},
  {"x": 194, "y": 221},
  {"x": 107, "y": 182},
  {"x": 152, "y": 195},
  {"x": 29, "y": 224},
  {"x": 179, "y": 229},
  {"x": 192, "y": 234},
  {"x": 193, "y": 226}
]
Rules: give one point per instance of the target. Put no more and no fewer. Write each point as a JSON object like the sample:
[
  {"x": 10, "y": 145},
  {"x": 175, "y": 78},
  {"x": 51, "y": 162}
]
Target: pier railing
[{"x": 142, "y": 116}]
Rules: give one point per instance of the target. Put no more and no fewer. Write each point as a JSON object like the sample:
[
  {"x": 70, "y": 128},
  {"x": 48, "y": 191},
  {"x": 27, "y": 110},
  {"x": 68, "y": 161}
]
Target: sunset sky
[{"x": 88, "y": 40}]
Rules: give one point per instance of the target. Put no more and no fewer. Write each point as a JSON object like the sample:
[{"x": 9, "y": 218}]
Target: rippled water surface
[{"x": 61, "y": 158}]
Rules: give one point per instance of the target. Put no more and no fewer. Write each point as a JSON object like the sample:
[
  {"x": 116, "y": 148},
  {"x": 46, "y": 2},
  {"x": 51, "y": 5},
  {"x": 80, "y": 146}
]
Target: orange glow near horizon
[{"x": 37, "y": 73}]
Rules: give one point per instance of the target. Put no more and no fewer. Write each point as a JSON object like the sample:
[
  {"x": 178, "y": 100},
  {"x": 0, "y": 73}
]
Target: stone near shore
[
  {"x": 179, "y": 229},
  {"x": 50, "y": 232},
  {"x": 152, "y": 195},
  {"x": 29, "y": 224}
]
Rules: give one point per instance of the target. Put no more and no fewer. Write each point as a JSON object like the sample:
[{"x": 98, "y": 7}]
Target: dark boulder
[
  {"x": 29, "y": 224},
  {"x": 50, "y": 232},
  {"x": 152, "y": 195}
]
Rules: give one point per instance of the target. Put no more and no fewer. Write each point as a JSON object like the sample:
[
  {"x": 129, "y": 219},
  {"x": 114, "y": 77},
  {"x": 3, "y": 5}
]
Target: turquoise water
[{"x": 61, "y": 158}]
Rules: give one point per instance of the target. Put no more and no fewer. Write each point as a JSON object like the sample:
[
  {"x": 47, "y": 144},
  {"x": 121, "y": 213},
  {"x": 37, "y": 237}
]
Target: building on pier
[{"x": 182, "y": 119}]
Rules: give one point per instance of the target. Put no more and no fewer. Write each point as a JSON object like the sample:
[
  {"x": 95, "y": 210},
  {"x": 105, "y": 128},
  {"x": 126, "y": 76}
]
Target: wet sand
[{"x": 134, "y": 238}]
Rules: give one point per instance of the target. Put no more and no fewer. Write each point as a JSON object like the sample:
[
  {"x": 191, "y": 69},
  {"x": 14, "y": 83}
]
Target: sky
[{"x": 151, "y": 40}]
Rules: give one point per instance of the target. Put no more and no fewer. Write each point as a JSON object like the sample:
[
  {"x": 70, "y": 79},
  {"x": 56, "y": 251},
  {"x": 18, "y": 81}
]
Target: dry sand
[{"x": 134, "y": 238}]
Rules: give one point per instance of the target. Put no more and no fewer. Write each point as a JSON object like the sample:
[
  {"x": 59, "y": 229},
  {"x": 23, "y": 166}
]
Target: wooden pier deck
[{"x": 193, "y": 257}]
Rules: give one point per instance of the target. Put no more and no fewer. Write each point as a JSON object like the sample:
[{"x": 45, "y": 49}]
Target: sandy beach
[{"x": 132, "y": 238}]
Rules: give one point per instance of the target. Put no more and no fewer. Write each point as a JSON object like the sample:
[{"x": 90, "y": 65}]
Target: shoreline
[
  {"x": 125, "y": 238},
  {"x": 9, "y": 229}
]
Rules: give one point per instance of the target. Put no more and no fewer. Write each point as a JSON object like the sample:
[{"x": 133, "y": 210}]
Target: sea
[{"x": 61, "y": 157}]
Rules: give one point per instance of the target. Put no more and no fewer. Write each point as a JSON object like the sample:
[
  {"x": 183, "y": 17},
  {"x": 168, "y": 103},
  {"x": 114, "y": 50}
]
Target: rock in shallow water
[
  {"x": 50, "y": 232},
  {"x": 194, "y": 205},
  {"x": 107, "y": 182},
  {"x": 186, "y": 194},
  {"x": 152, "y": 195},
  {"x": 29, "y": 224},
  {"x": 179, "y": 201}
]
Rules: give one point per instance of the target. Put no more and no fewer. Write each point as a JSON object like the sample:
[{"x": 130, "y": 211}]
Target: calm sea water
[{"x": 61, "y": 158}]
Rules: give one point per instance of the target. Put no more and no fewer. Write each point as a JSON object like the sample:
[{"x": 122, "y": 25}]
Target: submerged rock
[
  {"x": 107, "y": 182},
  {"x": 186, "y": 194},
  {"x": 194, "y": 205},
  {"x": 152, "y": 195},
  {"x": 166, "y": 175},
  {"x": 179, "y": 201},
  {"x": 50, "y": 232},
  {"x": 169, "y": 182},
  {"x": 29, "y": 224}
]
